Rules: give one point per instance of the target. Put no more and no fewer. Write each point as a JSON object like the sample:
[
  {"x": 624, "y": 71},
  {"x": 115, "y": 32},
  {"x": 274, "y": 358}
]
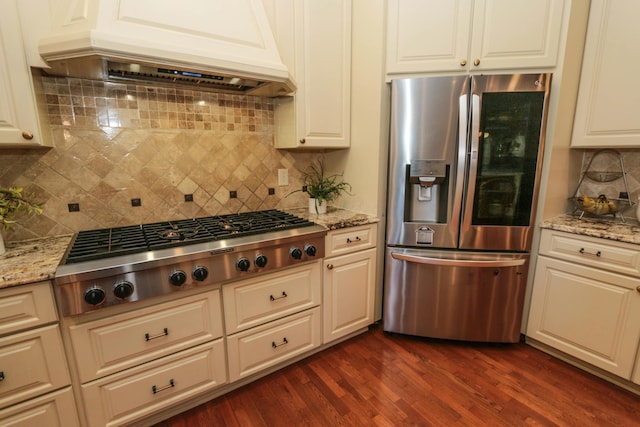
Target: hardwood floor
[{"x": 376, "y": 379}]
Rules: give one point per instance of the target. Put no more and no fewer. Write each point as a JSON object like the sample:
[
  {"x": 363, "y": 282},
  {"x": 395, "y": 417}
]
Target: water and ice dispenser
[{"x": 428, "y": 181}]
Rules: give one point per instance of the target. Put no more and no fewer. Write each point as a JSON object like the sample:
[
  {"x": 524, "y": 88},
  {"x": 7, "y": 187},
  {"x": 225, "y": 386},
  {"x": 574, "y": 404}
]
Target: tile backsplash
[{"x": 115, "y": 143}]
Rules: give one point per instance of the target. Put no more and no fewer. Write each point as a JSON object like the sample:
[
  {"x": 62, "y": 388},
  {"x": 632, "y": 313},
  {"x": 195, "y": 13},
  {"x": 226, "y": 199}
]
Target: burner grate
[{"x": 110, "y": 242}]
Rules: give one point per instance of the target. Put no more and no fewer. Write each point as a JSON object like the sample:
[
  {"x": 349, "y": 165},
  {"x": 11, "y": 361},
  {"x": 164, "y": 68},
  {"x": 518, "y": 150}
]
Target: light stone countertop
[
  {"x": 30, "y": 261},
  {"x": 605, "y": 228},
  {"x": 335, "y": 218}
]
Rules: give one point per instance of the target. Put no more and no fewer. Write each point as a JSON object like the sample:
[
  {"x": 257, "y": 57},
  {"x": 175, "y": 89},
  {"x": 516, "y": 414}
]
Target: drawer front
[
  {"x": 346, "y": 240},
  {"x": 138, "y": 392},
  {"x": 24, "y": 307},
  {"x": 57, "y": 409},
  {"x": 259, "y": 348},
  {"x": 115, "y": 343},
  {"x": 591, "y": 251},
  {"x": 253, "y": 302},
  {"x": 32, "y": 363}
]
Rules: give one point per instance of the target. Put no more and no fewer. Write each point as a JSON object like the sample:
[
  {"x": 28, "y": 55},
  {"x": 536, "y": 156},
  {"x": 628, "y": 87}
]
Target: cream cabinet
[
  {"x": 471, "y": 35},
  {"x": 20, "y": 125},
  {"x": 272, "y": 318},
  {"x": 34, "y": 377},
  {"x": 314, "y": 40},
  {"x": 137, "y": 363},
  {"x": 349, "y": 281},
  {"x": 586, "y": 300},
  {"x": 606, "y": 110}
]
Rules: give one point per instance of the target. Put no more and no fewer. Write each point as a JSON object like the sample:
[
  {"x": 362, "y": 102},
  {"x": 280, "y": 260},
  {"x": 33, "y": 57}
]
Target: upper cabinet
[
  {"x": 606, "y": 110},
  {"x": 468, "y": 36},
  {"x": 314, "y": 40},
  {"x": 20, "y": 125}
]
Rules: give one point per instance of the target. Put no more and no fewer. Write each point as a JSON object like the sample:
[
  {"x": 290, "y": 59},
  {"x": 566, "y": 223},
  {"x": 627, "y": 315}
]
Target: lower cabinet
[
  {"x": 272, "y": 318},
  {"x": 131, "y": 394},
  {"x": 349, "y": 281},
  {"x": 349, "y": 293},
  {"x": 581, "y": 304},
  {"x": 138, "y": 363},
  {"x": 34, "y": 378}
]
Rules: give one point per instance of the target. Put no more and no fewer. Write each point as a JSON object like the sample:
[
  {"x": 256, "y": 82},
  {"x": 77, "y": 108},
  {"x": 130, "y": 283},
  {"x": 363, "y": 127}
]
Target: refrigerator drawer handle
[{"x": 457, "y": 262}]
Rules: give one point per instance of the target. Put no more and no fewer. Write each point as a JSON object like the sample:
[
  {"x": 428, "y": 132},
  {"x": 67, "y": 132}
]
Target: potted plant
[
  {"x": 322, "y": 188},
  {"x": 12, "y": 201}
]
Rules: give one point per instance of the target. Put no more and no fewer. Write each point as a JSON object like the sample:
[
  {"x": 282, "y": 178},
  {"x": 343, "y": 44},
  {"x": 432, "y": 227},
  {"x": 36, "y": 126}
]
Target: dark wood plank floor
[{"x": 377, "y": 379}]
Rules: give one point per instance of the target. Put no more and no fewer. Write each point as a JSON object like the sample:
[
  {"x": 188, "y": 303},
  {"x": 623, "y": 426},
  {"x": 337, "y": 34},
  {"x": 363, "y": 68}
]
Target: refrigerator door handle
[
  {"x": 463, "y": 122},
  {"x": 457, "y": 262}
]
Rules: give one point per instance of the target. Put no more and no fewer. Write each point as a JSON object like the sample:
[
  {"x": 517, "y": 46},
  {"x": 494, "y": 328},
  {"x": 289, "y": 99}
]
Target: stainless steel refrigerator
[{"x": 464, "y": 170}]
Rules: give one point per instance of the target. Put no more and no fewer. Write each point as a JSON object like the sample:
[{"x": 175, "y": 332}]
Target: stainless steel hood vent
[
  {"x": 201, "y": 81},
  {"x": 210, "y": 44}
]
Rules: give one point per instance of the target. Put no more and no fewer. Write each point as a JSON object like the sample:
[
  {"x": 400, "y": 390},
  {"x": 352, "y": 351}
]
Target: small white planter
[{"x": 314, "y": 208}]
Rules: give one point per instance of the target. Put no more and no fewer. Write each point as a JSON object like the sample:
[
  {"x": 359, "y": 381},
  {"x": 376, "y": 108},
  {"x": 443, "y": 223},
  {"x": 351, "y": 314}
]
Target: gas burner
[
  {"x": 235, "y": 226},
  {"x": 178, "y": 233}
]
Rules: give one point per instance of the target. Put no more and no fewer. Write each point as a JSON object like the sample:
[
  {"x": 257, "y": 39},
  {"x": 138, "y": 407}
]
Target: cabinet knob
[
  {"x": 463, "y": 62},
  {"x": 27, "y": 134},
  {"x": 638, "y": 288},
  {"x": 329, "y": 266},
  {"x": 302, "y": 140},
  {"x": 476, "y": 62}
]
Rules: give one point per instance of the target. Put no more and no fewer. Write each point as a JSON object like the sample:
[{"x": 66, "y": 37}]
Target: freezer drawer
[{"x": 469, "y": 296}]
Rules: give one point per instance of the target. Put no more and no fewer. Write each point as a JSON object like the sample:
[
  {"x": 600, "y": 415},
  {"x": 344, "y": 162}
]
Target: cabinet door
[
  {"x": 427, "y": 35},
  {"x": 318, "y": 115},
  {"x": 587, "y": 313},
  {"x": 349, "y": 293},
  {"x": 515, "y": 34},
  {"x": 57, "y": 409},
  {"x": 31, "y": 363},
  {"x": 606, "y": 110},
  {"x": 19, "y": 121},
  {"x": 468, "y": 35}
]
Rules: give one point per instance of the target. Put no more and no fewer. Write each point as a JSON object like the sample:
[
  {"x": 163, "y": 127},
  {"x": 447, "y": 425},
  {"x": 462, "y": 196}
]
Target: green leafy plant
[
  {"x": 11, "y": 201},
  {"x": 320, "y": 186}
]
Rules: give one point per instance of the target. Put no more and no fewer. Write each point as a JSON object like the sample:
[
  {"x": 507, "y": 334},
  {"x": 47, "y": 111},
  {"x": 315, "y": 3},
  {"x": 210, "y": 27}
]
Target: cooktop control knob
[
  {"x": 123, "y": 289},
  {"x": 94, "y": 296},
  {"x": 178, "y": 278},
  {"x": 200, "y": 273},
  {"x": 243, "y": 264},
  {"x": 296, "y": 253},
  {"x": 310, "y": 250},
  {"x": 261, "y": 261}
]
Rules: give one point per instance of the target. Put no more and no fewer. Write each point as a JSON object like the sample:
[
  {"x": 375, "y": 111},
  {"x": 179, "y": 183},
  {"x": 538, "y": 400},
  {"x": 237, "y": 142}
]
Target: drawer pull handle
[
  {"x": 159, "y": 389},
  {"x": 274, "y": 345},
  {"x": 164, "y": 333},
  {"x": 637, "y": 289},
  {"x": 351, "y": 241},
  {"x": 284, "y": 295},
  {"x": 583, "y": 252},
  {"x": 329, "y": 266},
  {"x": 2, "y": 372}
]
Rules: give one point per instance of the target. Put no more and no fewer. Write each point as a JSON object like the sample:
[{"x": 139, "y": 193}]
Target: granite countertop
[
  {"x": 605, "y": 228},
  {"x": 335, "y": 218},
  {"x": 30, "y": 261}
]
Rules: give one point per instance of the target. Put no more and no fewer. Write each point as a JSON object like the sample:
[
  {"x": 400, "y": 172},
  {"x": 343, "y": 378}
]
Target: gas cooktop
[
  {"x": 114, "y": 266},
  {"x": 112, "y": 242}
]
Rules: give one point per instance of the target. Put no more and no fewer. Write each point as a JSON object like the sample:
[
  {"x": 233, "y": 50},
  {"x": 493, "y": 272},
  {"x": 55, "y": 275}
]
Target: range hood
[{"x": 210, "y": 44}]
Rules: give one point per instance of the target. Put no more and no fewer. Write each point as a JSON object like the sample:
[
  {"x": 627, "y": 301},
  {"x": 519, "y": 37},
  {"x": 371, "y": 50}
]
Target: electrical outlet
[{"x": 283, "y": 177}]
